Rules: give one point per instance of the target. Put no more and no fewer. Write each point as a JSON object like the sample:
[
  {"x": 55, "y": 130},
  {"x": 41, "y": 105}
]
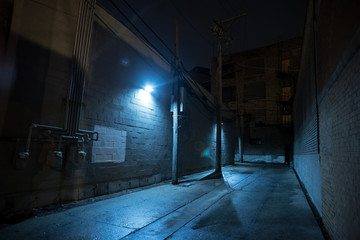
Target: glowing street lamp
[{"x": 148, "y": 89}]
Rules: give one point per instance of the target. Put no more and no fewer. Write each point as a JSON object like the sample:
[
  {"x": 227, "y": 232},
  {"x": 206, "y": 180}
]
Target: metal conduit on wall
[
  {"x": 76, "y": 85},
  {"x": 80, "y": 56}
]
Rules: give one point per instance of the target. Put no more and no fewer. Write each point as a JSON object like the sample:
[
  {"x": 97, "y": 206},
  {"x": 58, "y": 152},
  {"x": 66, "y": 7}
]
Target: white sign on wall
[{"x": 111, "y": 145}]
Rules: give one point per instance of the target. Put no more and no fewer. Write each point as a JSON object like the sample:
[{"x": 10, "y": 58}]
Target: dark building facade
[{"x": 258, "y": 85}]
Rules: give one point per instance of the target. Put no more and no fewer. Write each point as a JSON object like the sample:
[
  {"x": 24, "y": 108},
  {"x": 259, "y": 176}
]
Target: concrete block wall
[
  {"x": 135, "y": 134},
  {"x": 197, "y": 136},
  {"x": 34, "y": 82},
  {"x": 135, "y": 128},
  {"x": 327, "y": 162},
  {"x": 197, "y": 132}
]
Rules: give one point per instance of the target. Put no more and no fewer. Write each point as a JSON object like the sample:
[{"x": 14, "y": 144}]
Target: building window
[
  {"x": 285, "y": 64},
  {"x": 286, "y": 93},
  {"x": 229, "y": 94},
  {"x": 286, "y": 120}
]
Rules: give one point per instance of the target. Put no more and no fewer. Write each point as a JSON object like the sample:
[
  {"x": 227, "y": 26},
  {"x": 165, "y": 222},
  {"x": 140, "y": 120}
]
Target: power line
[
  {"x": 139, "y": 32},
  {"x": 147, "y": 25},
  {"x": 183, "y": 72}
]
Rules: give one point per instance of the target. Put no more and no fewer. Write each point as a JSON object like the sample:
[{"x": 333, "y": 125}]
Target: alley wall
[
  {"x": 124, "y": 134},
  {"x": 327, "y": 107}
]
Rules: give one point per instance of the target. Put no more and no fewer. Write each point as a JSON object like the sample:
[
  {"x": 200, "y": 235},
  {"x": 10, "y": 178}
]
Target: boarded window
[{"x": 111, "y": 145}]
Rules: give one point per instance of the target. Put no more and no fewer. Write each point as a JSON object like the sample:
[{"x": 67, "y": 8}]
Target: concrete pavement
[{"x": 251, "y": 201}]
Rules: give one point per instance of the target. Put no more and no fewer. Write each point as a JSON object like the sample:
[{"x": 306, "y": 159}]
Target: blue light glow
[
  {"x": 144, "y": 96},
  {"x": 125, "y": 62},
  {"x": 149, "y": 88},
  {"x": 205, "y": 153}
]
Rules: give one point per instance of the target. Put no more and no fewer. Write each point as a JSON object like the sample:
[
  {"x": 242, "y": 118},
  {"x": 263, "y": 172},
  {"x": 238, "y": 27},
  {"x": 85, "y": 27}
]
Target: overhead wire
[
  {"x": 182, "y": 69},
  {"x": 139, "y": 32},
  {"x": 148, "y": 26},
  {"x": 184, "y": 73}
]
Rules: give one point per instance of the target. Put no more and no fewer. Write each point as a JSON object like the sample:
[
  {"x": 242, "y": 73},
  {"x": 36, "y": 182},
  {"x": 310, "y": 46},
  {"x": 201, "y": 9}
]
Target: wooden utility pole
[
  {"x": 219, "y": 30},
  {"x": 175, "y": 108},
  {"x": 218, "y": 100}
]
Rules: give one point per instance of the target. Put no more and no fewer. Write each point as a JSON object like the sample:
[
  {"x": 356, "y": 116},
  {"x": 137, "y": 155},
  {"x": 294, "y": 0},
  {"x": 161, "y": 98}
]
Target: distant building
[{"x": 259, "y": 86}]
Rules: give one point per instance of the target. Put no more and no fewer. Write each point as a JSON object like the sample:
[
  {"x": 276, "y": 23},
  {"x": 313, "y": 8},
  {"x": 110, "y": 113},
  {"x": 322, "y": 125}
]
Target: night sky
[{"x": 267, "y": 22}]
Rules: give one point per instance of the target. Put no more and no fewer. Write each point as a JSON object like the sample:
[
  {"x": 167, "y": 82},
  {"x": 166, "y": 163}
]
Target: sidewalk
[{"x": 250, "y": 202}]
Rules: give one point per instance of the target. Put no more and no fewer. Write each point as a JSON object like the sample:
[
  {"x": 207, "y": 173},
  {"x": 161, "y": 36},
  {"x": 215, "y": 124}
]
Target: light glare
[{"x": 149, "y": 88}]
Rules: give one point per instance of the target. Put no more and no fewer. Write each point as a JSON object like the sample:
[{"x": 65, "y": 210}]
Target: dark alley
[
  {"x": 181, "y": 119},
  {"x": 252, "y": 201}
]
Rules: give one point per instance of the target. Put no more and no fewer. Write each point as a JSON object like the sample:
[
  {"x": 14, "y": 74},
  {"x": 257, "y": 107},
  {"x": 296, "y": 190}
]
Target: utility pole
[
  {"x": 175, "y": 108},
  {"x": 219, "y": 31}
]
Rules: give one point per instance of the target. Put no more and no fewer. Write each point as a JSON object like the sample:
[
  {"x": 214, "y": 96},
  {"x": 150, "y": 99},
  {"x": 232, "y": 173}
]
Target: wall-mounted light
[
  {"x": 149, "y": 88},
  {"x": 145, "y": 94}
]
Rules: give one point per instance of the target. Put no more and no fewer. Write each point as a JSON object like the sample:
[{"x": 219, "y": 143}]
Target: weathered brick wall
[
  {"x": 306, "y": 157},
  {"x": 197, "y": 135},
  {"x": 197, "y": 131},
  {"x": 135, "y": 128},
  {"x": 340, "y": 153},
  {"x": 34, "y": 89},
  {"x": 337, "y": 58}
]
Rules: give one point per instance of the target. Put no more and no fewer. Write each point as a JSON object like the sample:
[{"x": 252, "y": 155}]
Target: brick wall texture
[
  {"x": 333, "y": 155},
  {"x": 134, "y": 147}
]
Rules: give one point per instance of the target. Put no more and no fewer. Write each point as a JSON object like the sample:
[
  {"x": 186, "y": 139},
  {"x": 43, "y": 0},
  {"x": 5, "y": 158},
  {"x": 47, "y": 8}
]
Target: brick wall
[
  {"x": 197, "y": 136},
  {"x": 135, "y": 134},
  {"x": 334, "y": 66},
  {"x": 306, "y": 156},
  {"x": 135, "y": 128},
  {"x": 340, "y": 153}
]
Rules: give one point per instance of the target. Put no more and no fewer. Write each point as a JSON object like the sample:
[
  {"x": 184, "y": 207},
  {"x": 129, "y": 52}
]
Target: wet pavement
[{"x": 251, "y": 201}]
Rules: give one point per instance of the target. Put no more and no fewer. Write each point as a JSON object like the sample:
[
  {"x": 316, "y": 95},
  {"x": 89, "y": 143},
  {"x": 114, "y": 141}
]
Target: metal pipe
[
  {"x": 76, "y": 66},
  {"x": 70, "y": 103},
  {"x": 85, "y": 58},
  {"x": 77, "y": 82},
  {"x": 28, "y": 142},
  {"x": 175, "y": 103}
]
